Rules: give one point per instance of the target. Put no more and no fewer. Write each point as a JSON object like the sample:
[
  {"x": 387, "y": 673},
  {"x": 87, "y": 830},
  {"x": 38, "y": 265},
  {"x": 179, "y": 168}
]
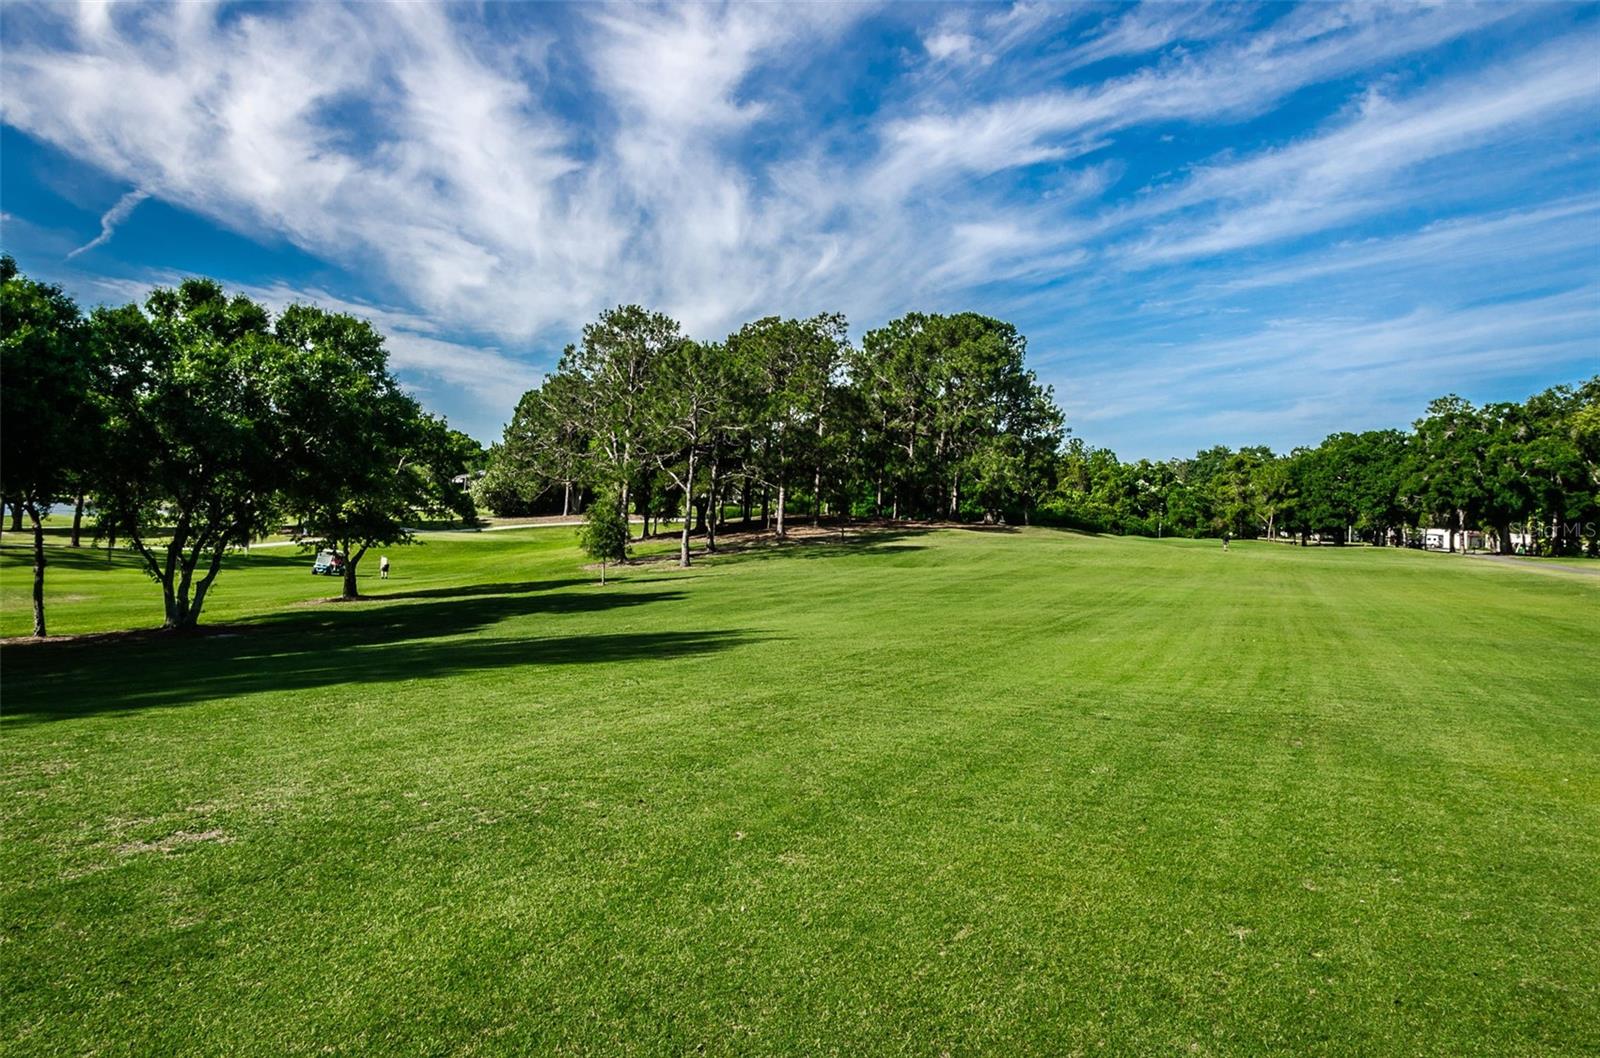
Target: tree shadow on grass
[
  {"x": 829, "y": 544},
  {"x": 69, "y": 558},
  {"x": 523, "y": 587},
  {"x": 97, "y": 558},
  {"x": 325, "y": 646},
  {"x": 392, "y": 619}
]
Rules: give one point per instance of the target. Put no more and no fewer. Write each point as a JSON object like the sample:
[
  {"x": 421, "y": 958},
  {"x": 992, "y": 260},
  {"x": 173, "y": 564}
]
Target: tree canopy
[
  {"x": 48, "y": 429},
  {"x": 198, "y": 423}
]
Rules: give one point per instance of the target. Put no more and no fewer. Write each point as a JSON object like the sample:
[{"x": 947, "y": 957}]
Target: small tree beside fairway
[
  {"x": 604, "y": 535},
  {"x": 46, "y": 423}
]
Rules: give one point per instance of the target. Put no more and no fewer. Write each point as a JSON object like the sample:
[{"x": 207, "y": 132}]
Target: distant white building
[{"x": 1466, "y": 540}]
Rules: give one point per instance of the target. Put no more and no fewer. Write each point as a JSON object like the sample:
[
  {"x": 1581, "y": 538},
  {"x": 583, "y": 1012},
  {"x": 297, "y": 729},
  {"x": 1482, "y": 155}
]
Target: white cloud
[
  {"x": 509, "y": 186},
  {"x": 1563, "y": 229},
  {"x": 945, "y": 44},
  {"x": 113, "y": 217},
  {"x": 1349, "y": 172},
  {"x": 1307, "y": 376},
  {"x": 953, "y": 139}
]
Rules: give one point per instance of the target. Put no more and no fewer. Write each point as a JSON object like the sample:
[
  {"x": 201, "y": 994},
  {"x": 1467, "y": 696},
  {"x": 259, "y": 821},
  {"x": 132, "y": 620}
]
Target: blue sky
[{"x": 1224, "y": 224}]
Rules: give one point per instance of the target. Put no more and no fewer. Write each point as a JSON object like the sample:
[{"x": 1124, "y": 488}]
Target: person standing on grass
[
  {"x": 1224, "y": 544},
  {"x": 383, "y": 567}
]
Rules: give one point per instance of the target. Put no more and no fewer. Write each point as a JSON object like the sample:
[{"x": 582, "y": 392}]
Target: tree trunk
[
  {"x": 199, "y": 599},
  {"x": 712, "y": 508},
  {"x": 714, "y": 502},
  {"x": 16, "y": 516},
  {"x": 1558, "y": 539},
  {"x": 602, "y": 573},
  {"x": 766, "y": 507},
  {"x": 177, "y": 609},
  {"x": 744, "y": 500},
  {"x": 350, "y": 564},
  {"x": 77, "y": 522},
  {"x": 179, "y": 615},
  {"x": 782, "y": 491},
  {"x": 173, "y": 571},
  {"x": 688, "y": 502},
  {"x": 626, "y": 481},
  {"x": 1503, "y": 531},
  {"x": 816, "y": 477},
  {"x": 38, "y": 571},
  {"x": 566, "y": 498}
]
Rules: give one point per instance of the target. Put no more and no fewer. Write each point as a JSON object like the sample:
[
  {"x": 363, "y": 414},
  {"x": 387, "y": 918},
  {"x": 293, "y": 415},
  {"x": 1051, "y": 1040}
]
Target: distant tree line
[
  {"x": 1525, "y": 475},
  {"x": 937, "y": 417},
  {"x": 196, "y": 422}
]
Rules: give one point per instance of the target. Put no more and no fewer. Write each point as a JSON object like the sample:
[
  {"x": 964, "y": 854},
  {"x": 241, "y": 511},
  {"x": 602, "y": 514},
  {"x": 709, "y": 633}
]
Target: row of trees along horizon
[
  {"x": 197, "y": 422},
  {"x": 938, "y": 417}
]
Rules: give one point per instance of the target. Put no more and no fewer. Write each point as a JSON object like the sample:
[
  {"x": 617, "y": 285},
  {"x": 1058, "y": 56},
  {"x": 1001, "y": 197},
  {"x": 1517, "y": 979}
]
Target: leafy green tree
[
  {"x": 687, "y": 409},
  {"x": 1239, "y": 498},
  {"x": 613, "y": 364},
  {"x": 1079, "y": 497},
  {"x": 1561, "y": 457},
  {"x": 546, "y": 445},
  {"x": 1445, "y": 471},
  {"x": 366, "y": 460},
  {"x": 895, "y": 371},
  {"x": 1015, "y": 466},
  {"x": 604, "y": 533},
  {"x": 789, "y": 368},
  {"x": 48, "y": 421},
  {"x": 192, "y": 460},
  {"x": 507, "y": 488},
  {"x": 937, "y": 391}
]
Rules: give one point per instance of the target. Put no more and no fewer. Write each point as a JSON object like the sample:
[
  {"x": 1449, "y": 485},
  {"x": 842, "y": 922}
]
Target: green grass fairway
[{"x": 955, "y": 792}]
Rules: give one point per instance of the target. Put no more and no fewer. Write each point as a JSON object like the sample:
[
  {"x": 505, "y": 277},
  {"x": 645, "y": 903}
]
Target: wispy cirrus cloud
[
  {"x": 1114, "y": 179},
  {"x": 1350, "y": 171}
]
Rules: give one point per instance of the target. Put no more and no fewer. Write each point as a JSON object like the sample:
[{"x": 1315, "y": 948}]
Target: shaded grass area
[{"x": 1020, "y": 793}]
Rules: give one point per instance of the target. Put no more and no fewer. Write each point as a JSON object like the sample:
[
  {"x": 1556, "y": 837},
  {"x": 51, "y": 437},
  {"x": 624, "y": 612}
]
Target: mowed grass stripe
[{"x": 976, "y": 792}]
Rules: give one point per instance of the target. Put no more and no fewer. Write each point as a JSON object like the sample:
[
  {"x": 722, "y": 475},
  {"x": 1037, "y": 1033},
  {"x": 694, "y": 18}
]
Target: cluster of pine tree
[{"x": 930, "y": 417}]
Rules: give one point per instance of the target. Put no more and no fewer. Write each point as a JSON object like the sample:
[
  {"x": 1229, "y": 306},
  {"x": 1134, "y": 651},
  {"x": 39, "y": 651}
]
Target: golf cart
[{"x": 329, "y": 563}]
